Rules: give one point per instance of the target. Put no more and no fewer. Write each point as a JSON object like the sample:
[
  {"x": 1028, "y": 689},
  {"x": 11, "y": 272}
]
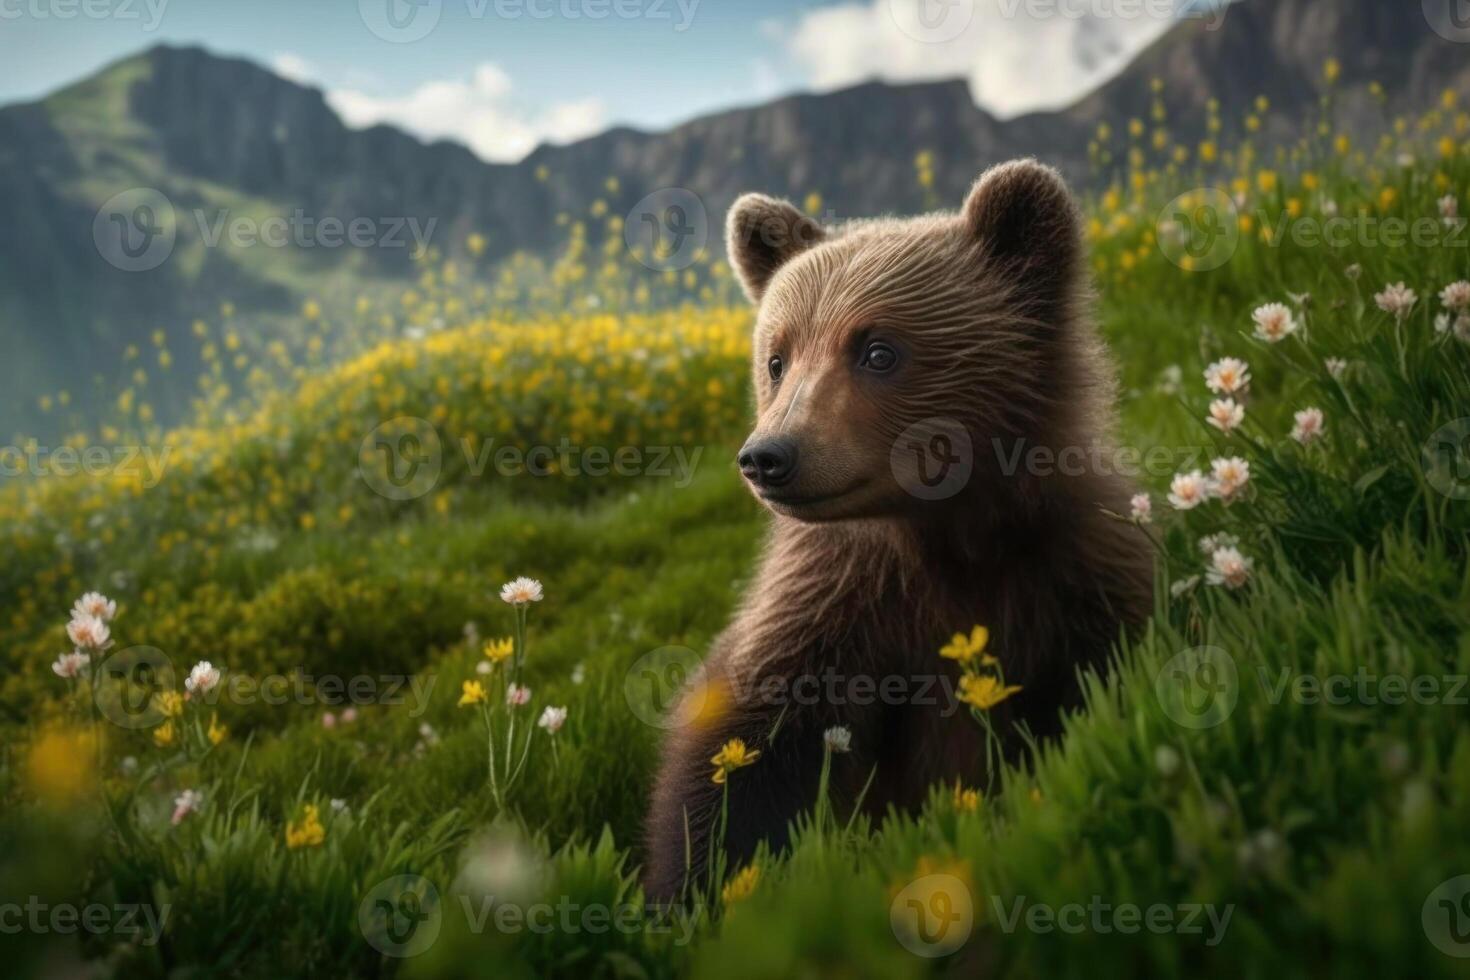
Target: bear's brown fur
[{"x": 985, "y": 315}]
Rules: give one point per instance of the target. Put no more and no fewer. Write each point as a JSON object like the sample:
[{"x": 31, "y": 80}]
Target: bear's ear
[
  {"x": 763, "y": 234},
  {"x": 1025, "y": 217}
]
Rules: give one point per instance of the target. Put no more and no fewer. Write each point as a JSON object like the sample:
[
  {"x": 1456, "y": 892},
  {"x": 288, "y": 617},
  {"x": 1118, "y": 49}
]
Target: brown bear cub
[{"x": 920, "y": 385}]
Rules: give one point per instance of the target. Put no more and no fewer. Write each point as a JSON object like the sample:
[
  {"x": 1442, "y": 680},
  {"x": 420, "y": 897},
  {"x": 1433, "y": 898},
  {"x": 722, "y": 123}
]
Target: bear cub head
[{"x": 891, "y": 355}]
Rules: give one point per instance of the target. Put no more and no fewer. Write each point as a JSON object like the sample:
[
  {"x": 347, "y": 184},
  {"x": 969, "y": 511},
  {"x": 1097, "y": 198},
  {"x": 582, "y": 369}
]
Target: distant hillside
[{"x": 227, "y": 138}]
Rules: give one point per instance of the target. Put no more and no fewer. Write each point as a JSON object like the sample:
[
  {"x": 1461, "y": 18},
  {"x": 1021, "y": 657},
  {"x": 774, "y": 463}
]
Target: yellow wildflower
[
  {"x": 732, "y": 755},
  {"x": 164, "y": 735},
  {"x": 965, "y": 649},
  {"x": 742, "y": 885},
  {"x": 499, "y": 651},
  {"x": 217, "y": 732},
  {"x": 984, "y": 691},
  {"x": 306, "y": 832},
  {"x": 966, "y": 800},
  {"x": 474, "y": 693},
  {"x": 170, "y": 704}
]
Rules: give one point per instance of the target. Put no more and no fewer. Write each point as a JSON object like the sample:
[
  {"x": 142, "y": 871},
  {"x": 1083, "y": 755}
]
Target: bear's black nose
[{"x": 768, "y": 462}]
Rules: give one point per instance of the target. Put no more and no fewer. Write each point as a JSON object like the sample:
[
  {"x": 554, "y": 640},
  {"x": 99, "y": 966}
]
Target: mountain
[{"x": 222, "y": 138}]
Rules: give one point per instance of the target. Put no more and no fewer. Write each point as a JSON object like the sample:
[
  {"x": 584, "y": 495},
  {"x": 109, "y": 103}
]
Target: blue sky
[{"x": 503, "y": 75}]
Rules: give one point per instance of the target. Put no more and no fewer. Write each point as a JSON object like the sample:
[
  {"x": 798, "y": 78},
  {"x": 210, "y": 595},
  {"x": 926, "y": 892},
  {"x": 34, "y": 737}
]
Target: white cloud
[
  {"x": 295, "y": 68},
  {"x": 1018, "y": 55},
  {"x": 478, "y": 112}
]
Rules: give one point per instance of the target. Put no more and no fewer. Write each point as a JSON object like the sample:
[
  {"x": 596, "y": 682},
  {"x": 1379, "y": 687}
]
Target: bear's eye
[
  {"x": 879, "y": 357},
  {"x": 775, "y": 367}
]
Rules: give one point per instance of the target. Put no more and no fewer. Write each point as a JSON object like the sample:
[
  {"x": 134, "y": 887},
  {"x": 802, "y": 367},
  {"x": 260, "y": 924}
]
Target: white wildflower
[
  {"x": 1226, "y": 415},
  {"x": 838, "y": 739},
  {"x": 552, "y": 719},
  {"x": 521, "y": 591},
  {"x": 1228, "y": 375},
  {"x": 1229, "y": 568},
  {"x": 1274, "y": 322},
  {"x": 1189, "y": 490},
  {"x": 1309, "y": 425}
]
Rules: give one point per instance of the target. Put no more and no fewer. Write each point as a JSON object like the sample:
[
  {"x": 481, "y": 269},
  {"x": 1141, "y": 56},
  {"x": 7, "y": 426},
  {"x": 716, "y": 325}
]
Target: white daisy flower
[
  {"x": 1397, "y": 300},
  {"x": 517, "y": 695},
  {"x": 203, "y": 678},
  {"x": 1336, "y": 366},
  {"x": 1229, "y": 568},
  {"x": 1274, "y": 322},
  {"x": 552, "y": 719},
  {"x": 95, "y": 605},
  {"x": 1183, "y": 586},
  {"x": 89, "y": 633},
  {"x": 1226, "y": 415},
  {"x": 521, "y": 591},
  {"x": 1309, "y": 425},
  {"x": 1142, "y": 508},
  {"x": 1230, "y": 475},
  {"x": 1189, "y": 490},
  {"x": 1449, "y": 209},
  {"x": 1228, "y": 375},
  {"x": 1456, "y": 297},
  {"x": 70, "y": 665},
  {"x": 837, "y": 739}
]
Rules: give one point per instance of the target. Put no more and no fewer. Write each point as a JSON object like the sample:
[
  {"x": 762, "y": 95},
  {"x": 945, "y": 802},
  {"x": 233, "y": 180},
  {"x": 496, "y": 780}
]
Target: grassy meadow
[{"x": 1280, "y": 828}]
